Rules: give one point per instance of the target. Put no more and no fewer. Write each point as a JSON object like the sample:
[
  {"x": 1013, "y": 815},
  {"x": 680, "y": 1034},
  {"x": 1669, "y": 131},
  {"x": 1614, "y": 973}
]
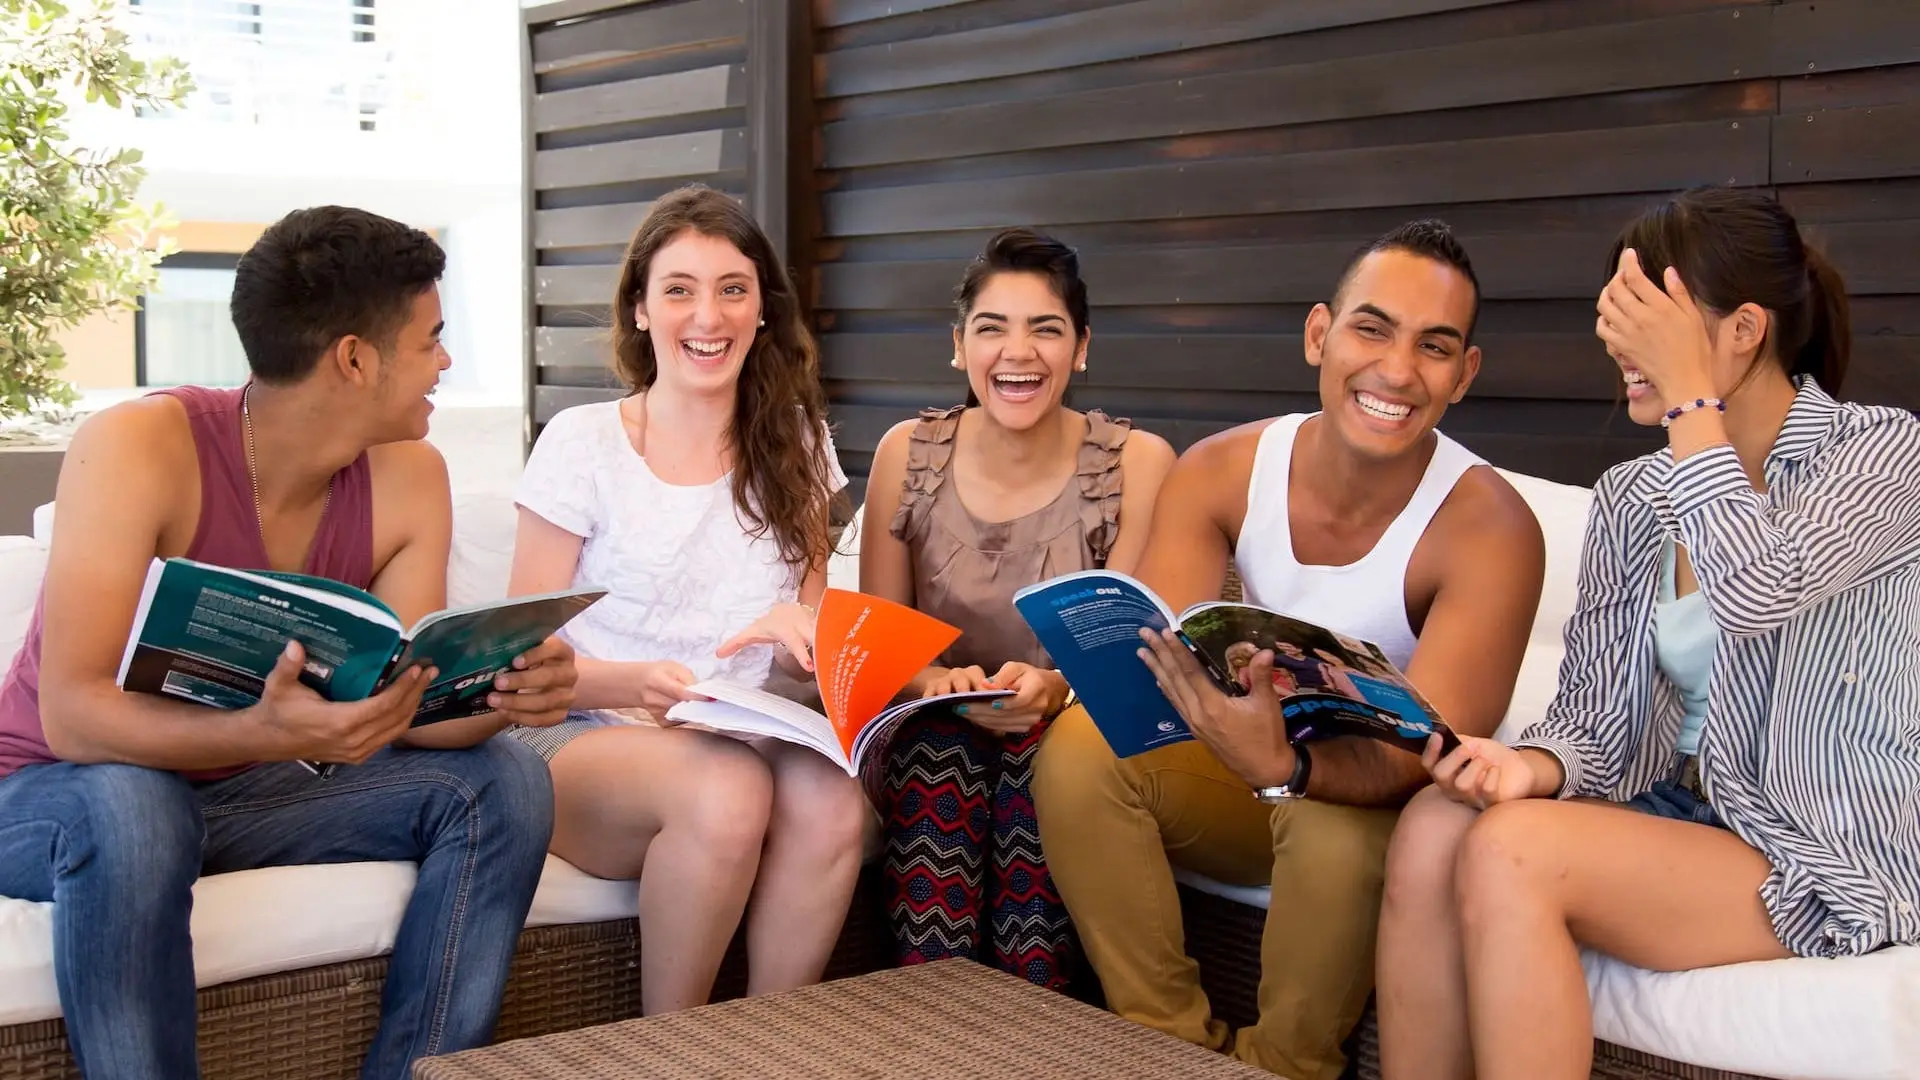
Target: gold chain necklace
[{"x": 253, "y": 476}]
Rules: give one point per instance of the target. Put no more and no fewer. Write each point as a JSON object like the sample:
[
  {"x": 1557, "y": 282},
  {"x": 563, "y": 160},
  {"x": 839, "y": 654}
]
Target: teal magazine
[
  {"x": 1328, "y": 683},
  {"x": 211, "y": 635}
]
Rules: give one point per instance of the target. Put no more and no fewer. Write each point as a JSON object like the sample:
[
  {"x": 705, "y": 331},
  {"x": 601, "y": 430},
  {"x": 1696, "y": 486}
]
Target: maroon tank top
[{"x": 228, "y": 534}]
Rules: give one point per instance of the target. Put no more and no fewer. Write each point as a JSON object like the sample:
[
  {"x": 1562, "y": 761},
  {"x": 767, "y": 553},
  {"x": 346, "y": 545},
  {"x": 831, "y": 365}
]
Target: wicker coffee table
[{"x": 951, "y": 1018}]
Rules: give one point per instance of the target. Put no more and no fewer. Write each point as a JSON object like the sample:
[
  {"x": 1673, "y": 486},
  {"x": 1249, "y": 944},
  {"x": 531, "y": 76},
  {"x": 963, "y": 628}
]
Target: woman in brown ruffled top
[{"x": 965, "y": 506}]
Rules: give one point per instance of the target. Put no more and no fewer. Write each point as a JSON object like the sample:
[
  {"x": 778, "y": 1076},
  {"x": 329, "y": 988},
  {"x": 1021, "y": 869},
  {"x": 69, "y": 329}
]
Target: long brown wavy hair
[{"x": 781, "y": 476}]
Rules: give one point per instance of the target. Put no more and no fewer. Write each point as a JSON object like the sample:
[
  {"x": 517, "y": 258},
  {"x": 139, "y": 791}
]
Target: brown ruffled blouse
[{"x": 965, "y": 571}]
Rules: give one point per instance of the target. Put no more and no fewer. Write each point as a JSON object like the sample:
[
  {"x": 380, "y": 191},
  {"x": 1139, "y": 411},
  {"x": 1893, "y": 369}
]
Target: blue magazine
[{"x": 1329, "y": 684}]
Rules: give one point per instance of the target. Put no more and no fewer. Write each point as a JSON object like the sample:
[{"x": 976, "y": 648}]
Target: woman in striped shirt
[{"x": 1731, "y": 768}]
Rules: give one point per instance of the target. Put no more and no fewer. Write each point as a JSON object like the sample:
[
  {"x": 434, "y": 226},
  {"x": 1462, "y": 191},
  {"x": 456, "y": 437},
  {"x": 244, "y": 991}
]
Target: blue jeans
[
  {"x": 117, "y": 849},
  {"x": 1669, "y": 800}
]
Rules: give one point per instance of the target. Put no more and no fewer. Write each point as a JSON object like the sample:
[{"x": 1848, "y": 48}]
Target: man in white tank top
[{"x": 1365, "y": 519}]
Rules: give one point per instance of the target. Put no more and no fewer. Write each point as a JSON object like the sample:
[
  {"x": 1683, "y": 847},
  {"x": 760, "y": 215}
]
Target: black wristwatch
[{"x": 1296, "y": 785}]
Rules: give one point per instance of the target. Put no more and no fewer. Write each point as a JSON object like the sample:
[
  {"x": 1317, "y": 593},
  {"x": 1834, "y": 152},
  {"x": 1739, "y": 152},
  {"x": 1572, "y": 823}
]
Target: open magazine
[
  {"x": 866, "y": 650},
  {"x": 1328, "y": 683},
  {"x": 212, "y": 634}
]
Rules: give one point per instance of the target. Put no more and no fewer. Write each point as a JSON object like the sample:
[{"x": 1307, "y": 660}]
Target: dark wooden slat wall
[
  {"x": 627, "y": 101},
  {"x": 1215, "y": 161}
]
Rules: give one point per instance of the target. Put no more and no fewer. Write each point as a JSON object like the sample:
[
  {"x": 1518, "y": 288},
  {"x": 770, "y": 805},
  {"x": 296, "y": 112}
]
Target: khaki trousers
[{"x": 1114, "y": 830}]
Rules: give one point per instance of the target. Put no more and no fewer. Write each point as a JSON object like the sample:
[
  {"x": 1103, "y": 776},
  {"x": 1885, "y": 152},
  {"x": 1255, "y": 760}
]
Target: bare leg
[
  {"x": 808, "y": 870},
  {"x": 685, "y": 812},
  {"x": 1420, "y": 984},
  {"x": 1537, "y": 876}
]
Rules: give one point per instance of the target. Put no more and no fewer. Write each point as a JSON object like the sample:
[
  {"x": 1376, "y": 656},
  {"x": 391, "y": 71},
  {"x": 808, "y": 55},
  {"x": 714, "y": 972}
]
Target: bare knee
[
  {"x": 1423, "y": 852},
  {"x": 1503, "y": 860},
  {"x": 825, "y": 809},
  {"x": 725, "y": 810}
]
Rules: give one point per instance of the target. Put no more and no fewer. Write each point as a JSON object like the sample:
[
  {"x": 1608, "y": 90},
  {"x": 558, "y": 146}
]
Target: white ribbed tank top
[{"x": 1366, "y": 598}]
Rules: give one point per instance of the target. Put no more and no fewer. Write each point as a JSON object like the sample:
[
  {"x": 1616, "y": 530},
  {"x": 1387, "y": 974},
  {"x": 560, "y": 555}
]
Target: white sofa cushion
[
  {"x": 1852, "y": 1019},
  {"x": 248, "y": 923},
  {"x": 569, "y": 895},
  {"x": 23, "y": 562},
  {"x": 258, "y": 922}
]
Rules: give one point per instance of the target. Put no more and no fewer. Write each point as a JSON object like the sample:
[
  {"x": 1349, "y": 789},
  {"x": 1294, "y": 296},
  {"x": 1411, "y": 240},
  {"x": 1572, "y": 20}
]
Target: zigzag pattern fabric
[{"x": 963, "y": 851}]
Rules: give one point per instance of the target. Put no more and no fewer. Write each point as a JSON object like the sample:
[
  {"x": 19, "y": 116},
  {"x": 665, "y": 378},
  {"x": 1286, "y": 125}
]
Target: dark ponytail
[
  {"x": 1830, "y": 326},
  {"x": 1736, "y": 246},
  {"x": 1020, "y": 250}
]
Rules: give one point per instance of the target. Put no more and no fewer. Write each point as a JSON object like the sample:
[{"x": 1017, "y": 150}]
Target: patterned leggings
[{"x": 961, "y": 808}]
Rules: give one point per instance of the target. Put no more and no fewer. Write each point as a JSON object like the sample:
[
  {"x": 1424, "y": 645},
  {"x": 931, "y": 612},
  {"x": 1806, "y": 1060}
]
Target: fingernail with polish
[
  {"x": 996, "y": 704},
  {"x": 961, "y": 709}
]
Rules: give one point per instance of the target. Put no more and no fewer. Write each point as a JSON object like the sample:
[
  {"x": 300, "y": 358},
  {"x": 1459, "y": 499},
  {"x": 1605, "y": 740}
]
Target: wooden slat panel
[
  {"x": 559, "y": 285},
  {"x": 588, "y": 226},
  {"x": 1885, "y": 370},
  {"x": 1546, "y": 264},
  {"x": 548, "y": 401},
  {"x": 555, "y": 346},
  {"x": 655, "y": 27},
  {"x": 567, "y": 9},
  {"x": 1847, "y": 144},
  {"x": 598, "y": 378},
  {"x": 1567, "y": 366},
  {"x": 1875, "y": 256},
  {"x": 1834, "y": 35},
  {"x": 1706, "y": 47},
  {"x": 697, "y": 153},
  {"x": 830, "y": 13},
  {"x": 1090, "y": 37},
  {"x": 1214, "y": 172},
  {"x": 1652, "y": 158},
  {"x": 705, "y": 89}
]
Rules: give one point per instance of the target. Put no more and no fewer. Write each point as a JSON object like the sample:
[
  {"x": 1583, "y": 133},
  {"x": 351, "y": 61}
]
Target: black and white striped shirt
[{"x": 1811, "y": 747}]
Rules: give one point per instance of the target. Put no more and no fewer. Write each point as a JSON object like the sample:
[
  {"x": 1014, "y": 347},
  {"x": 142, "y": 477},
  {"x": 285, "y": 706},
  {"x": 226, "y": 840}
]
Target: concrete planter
[{"x": 28, "y": 473}]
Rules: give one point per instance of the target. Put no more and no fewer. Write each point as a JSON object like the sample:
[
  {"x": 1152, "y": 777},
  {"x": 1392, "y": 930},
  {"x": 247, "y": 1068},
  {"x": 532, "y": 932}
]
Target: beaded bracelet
[{"x": 1683, "y": 409}]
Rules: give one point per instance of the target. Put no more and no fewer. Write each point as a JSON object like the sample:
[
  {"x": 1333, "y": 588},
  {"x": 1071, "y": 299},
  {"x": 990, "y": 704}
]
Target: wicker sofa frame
[{"x": 315, "y": 1024}]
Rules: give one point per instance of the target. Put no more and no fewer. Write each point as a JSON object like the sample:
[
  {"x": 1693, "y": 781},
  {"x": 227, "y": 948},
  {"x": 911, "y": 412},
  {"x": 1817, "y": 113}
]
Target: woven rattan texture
[
  {"x": 316, "y": 1024},
  {"x": 313, "y": 1023},
  {"x": 952, "y": 1018},
  {"x": 1224, "y": 938}
]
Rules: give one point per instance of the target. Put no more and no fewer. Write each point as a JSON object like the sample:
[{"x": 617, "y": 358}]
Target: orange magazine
[{"x": 866, "y": 650}]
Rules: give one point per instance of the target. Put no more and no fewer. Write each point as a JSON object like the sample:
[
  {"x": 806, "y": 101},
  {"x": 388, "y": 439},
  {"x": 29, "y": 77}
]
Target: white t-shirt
[{"x": 681, "y": 572}]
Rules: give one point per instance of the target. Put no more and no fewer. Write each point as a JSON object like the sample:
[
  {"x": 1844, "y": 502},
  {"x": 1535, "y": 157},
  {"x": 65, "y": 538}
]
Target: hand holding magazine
[
  {"x": 866, "y": 650},
  {"x": 212, "y": 634},
  {"x": 1328, "y": 684}
]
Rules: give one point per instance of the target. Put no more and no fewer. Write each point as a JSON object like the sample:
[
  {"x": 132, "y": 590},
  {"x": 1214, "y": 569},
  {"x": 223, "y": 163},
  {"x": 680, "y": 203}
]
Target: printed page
[
  {"x": 211, "y": 635},
  {"x": 473, "y": 646},
  {"x": 755, "y": 712},
  {"x": 1090, "y": 624},
  {"x": 1329, "y": 683},
  {"x": 865, "y": 649}
]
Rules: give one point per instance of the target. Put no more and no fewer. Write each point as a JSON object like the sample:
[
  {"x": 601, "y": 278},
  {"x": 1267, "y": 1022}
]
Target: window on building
[
  {"x": 272, "y": 62},
  {"x": 183, "y": 332}
]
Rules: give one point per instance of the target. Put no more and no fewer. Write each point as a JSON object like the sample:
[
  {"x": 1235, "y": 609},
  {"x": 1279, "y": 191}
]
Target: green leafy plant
[{"x": 73, "y": 242}]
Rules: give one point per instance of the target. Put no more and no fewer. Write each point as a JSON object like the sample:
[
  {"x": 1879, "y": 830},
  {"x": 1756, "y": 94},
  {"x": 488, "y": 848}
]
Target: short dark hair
[
  {"x": 1022, "y": 250},
  {"x": 1428, "y": 238},
  {"x": 320, "y": 274}
]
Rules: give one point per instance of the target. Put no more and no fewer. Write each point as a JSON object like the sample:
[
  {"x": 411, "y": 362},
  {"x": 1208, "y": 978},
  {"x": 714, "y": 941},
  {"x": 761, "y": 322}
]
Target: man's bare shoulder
[
  {"x": 407, "y": 469},
  {"x": 1234, "y": 447},
  {"x": 1488, "y": 517},
  {"x": 148, "y": 435}
]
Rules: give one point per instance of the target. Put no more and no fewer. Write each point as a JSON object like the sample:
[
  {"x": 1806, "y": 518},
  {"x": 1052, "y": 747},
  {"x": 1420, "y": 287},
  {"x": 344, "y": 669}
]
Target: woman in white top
[{"x": 701, "y": 501}]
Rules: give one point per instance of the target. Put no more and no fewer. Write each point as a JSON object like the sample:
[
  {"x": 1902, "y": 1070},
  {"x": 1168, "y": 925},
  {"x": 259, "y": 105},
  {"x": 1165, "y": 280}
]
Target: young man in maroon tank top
[
  {"x": 112, "y": 804},
  {"x": 1393, "y": 349}
]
